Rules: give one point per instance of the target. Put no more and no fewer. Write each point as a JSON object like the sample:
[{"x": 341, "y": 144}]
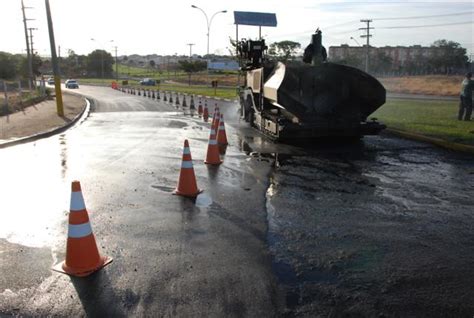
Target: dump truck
[{"x": 315, "y": 99}]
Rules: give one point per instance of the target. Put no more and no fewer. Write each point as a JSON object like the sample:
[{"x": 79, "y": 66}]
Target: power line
[
  {"x": 426, "y": 26},
  {"x": 426, "y": 16},
  {"x": 341, "y": 24}
]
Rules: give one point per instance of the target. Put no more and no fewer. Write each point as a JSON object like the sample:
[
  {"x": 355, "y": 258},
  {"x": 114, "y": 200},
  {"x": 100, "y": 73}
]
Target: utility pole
[
  {"x": 54, "y": 60},
  {"x": 368, "y": 36},
  {"x": 116, "y": 64},
  {"x": 28, "y": 52},
  {"x": 32, "y": 53},
  {"x": 31, "y": 41},
  {"x": 190, "y": 49},
  {"x": 59, "y": 59}
]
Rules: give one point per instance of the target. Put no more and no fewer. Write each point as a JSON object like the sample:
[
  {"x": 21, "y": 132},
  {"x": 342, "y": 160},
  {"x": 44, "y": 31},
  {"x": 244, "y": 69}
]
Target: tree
[
  {"x": 448, "y": 55},
  {"x": 23, "y": 65},
  {"x": 74, "y": 65},
  {"x": 100, "y": 63},
  {"x": 381, "y": 63},
  {"x": 8, "y": 66},
  {"x": 192, "y": 67},
  {"x": 283, "y": 50},
  {"x": 353, "y": 60}
]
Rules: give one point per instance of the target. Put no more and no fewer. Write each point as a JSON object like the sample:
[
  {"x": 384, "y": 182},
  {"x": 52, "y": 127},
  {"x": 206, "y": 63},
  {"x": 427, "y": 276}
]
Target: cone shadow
[
  {"x": 98, "y": 297},
  {"x": 222, "y": 149}
]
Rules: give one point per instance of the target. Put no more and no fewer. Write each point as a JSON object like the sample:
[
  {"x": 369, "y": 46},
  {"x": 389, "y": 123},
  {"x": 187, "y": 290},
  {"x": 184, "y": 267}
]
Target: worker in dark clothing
[{"x": 465, "y": 103}]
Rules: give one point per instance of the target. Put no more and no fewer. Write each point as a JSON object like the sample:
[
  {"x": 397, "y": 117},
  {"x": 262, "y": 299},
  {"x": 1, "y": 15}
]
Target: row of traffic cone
[
  {"x": 187, "y": 185},
  {"x": 82, "y": 254},
  {"x": 202, "y": 111}
]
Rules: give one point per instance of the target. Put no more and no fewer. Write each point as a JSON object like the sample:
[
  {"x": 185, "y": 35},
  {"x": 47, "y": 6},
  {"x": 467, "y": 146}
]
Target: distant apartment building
[{"x": 401, "y": 56}]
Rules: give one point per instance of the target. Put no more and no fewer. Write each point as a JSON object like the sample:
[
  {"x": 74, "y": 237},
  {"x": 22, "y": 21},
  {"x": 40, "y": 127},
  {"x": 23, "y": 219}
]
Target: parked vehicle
[
  {"x": 51, "y": 81},
  {"x": 70, "y": 83},
  {"x": 148, "y": 82}
]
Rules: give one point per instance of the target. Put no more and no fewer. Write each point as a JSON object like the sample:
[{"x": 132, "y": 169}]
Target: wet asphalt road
[{"x": 384, "y": 227}]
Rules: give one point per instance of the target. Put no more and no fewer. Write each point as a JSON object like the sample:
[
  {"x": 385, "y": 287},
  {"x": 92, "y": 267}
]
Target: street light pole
[
  {"x": 208, "y": 22},
  {"x": 352, "y": 38},
  {"x": 190, "y": 49}
]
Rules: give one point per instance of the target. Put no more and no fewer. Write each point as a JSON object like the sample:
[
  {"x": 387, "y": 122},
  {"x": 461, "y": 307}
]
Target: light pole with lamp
[
  {"x": 101, "y": 54},
  {"x": 208, "y": 22},
  {"x": 352, "y": 38}
]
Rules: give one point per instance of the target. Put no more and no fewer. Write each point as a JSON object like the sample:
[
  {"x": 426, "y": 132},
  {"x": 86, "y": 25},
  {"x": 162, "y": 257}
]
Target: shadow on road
[{"x": 98, "y": 297}]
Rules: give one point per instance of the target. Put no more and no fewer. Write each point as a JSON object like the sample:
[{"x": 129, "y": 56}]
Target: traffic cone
[
  {"x": 216, "y": 118},
  {"x": 191, "y": 103},
  {"x": 165, "y": 99},
  {"x": 205, "y": 114},
  {"x": 221, "y": 135},
  {"x": 177, "y": 100},
  {"x": 153, "y": 94},
  {"x": 171, "y": 98},
  {"x": 184, "y": 101},
  {"x": 158, "y": 95},
  {"x": 199, "y": 108},
  {"x": 139, "y": 94},
  {"x": 187, "y": 180},
  {"x": 82, "y": 255},
  {"x": 212, "y": 156}
]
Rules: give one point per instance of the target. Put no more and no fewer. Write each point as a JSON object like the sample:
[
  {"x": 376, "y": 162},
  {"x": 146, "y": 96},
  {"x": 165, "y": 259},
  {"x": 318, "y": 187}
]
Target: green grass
[
  {"x": 142, "y": 72},
  {"x": 431, "y": 118},
  {"x": 223, "y": 92},
  {"x": 201, "y": 90}
]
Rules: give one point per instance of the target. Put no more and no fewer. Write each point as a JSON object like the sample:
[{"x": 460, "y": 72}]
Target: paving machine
[{"x": 315, "y": 99}]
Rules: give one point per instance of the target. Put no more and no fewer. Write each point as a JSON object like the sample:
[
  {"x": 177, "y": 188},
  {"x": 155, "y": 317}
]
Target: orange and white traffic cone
[
  {"x": 200, "y": 108},
  {"x": 205, "y": 114},
  {"x": 212, "y": 156},
  {"x": 221, "y": 135},
  {"x": 187, "y": 180},
  {"x": 216, "y": 118},
  {"x": 82, "y": 255}
]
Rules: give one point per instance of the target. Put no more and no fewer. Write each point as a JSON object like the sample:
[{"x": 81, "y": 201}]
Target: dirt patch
[
  {"x": 427, "y": 85},
  {"x": 40, "y": 117}
]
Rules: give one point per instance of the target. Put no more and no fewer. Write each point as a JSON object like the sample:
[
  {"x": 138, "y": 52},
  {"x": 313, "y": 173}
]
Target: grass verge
[
  {"x": 430, "y": 118},
  {"x": 222, "y": 92}
]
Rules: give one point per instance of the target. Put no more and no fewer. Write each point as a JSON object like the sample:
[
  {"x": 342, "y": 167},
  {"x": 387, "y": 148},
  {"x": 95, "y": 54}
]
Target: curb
[
  {"x": 84, "y": 113},
  {"x": 435, "y": 141}
]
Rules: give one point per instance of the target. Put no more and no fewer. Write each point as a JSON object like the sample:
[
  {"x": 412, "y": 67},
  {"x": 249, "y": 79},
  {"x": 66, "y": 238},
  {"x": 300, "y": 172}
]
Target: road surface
[{"x": 384, "y": 227}]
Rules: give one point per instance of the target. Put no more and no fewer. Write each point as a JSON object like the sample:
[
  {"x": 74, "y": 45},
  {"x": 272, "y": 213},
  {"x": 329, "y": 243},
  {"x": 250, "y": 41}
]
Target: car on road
[
  {"x": 70, "y": 83},
  {"x": 148, "y": 82},
  {"x": 51, "y": 81}
]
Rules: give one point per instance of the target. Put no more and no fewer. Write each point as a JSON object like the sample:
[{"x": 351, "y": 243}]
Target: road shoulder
[{"x": 40, "y": 120}]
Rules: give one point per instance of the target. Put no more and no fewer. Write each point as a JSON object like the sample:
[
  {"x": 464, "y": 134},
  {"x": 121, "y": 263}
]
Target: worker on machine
[{"x": 315, "y": 53}]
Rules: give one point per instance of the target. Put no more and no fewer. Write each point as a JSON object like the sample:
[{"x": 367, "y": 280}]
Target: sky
[{"x": 166, "y": 27}]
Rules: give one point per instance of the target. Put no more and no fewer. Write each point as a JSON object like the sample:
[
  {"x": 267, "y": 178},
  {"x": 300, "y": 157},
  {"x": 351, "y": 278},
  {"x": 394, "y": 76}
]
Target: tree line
[
  {"x": 448, "y": 57},
  {"x": 98, "y": 63},
  {"x": 15, "y": 66}
]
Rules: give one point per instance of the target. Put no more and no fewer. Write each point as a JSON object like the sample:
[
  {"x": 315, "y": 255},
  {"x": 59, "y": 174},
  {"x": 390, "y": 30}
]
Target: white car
[{"x": 70, "y": 83}]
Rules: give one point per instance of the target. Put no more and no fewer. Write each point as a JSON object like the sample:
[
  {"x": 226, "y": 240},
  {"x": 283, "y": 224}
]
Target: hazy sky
[{"x": 165, "y": 27}]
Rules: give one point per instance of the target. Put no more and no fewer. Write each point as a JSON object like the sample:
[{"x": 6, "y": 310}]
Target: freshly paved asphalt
[
  {"x": 171, "y": 258},
  {"x": 375, "y": 229}
]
